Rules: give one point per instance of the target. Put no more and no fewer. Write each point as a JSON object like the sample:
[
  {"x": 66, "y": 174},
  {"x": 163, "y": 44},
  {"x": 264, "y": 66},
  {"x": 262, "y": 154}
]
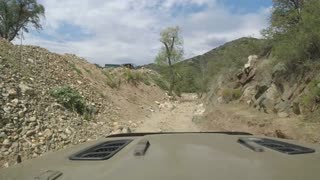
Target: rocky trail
[{"x": 173, "y": 118}]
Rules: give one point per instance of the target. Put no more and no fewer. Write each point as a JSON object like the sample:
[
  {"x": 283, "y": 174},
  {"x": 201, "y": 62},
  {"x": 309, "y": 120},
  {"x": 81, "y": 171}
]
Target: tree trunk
[{"x": 172, "y": 81}]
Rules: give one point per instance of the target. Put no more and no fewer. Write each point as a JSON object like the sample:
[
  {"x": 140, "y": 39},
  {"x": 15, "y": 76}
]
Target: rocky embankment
[
  {"x": 31, "y": 120},
  {"x": 286, "y": 100}
]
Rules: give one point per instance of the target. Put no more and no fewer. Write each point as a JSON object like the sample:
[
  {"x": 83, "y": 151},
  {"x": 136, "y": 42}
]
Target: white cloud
[{"x": 128, "y": 30}]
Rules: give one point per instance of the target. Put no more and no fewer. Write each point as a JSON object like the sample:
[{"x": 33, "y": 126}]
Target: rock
[
  {"x": 280, "y": 134},
  {"x": 252, "y": 60},
  {"x": 220, "y": 100},
  {"x": 68, "y": 131},
  {"x": 283, "y": 114},
  {"x": 30, "y": 133},
  {"x": 199, "y": 111},
  {"x": 63, "y": 136},
  {"x": 270, "y": 98},
  {"x": 126, "y": 130},
  {"x": 30, "y": 60},
  {"x": 318, "y": 85},
  {"x": 26, "y": 89},
  {"x": 118, "y": 131},
  {"x": 6, "y": 143},
  {"x": 115, "y": 123},
  {"x": 157, "y": 102},
  {"x": 248, "y": 93},
  {"x": 167, "y": 105},
  {"x": 15, "y": 102},
  {"x": 32, "y": 119},
  {"x": 3, "y": 135},
  {"x": 7, "y": 109},
  {"x": 12, "y": 93}
]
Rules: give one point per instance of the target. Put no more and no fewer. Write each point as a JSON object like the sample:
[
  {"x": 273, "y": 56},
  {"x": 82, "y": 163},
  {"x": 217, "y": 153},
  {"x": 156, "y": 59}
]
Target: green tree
[
  {"x": 295, "y": 31},
  {"x": 16, "y": 15},
  {"x": 286, "y": 15},
  {"x": 171, "y": 52}
]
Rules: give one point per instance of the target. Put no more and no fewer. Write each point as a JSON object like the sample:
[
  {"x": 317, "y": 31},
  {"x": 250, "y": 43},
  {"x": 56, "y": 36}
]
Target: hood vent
[
  {"x": 283, "y": 147},
  {"x": 101, "y": 151},
  {"x": 279, "y": 146}
]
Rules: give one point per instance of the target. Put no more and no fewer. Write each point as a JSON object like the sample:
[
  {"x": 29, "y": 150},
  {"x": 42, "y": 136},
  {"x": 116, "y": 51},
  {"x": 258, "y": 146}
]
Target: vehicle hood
[{"x": 175, "y": 156}]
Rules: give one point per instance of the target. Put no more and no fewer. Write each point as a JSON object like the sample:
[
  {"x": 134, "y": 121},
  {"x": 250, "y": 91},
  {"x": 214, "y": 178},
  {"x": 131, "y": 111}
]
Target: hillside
[
  {"x": 282, "y": 97},
  {"x": 195, "y": 74},
  {"x": 245, "y": 87},
  {"x": 49, "y": 101}
]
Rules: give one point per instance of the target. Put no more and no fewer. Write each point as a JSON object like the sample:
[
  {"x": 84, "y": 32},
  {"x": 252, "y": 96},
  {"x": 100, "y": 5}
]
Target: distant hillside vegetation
[{"x": 195, "y": 74}]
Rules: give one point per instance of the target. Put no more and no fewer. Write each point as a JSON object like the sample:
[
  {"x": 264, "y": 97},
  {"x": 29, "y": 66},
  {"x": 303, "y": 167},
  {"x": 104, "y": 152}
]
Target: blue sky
[{"x": 117, "y": 31}]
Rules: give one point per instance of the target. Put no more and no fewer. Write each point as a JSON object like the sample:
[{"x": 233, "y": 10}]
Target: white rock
[
  {"x": 25, "y": 89},
  {"x": 126, "y": 130},
  {"x": 283, "y": 115},
  {"x": 32, "y": 119},
  {"x": 15, "y": 102},
  {"x": 30, "y": 60},
  {"x": 6, "y": 143},
  {"x": 47, "y": 133},
  {"x": 63, "y": 136},
  {"x": 68, "y": 131},
  {"x": 220, "y": 100}
]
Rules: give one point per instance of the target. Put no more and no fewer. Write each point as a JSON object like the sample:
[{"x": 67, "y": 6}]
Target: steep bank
[
  {"x": 33, "y": 122},
  {"x": 267, "y": 97}
]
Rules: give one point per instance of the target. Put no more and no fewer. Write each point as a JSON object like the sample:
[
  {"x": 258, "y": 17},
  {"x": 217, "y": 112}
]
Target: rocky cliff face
[
  {"x": 270, "y": 87},
  {"x": 33, "y": 122}
]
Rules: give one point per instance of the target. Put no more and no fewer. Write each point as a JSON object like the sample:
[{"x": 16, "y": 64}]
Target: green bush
[
  {"x": 73, "y": 67},
  {"x": 88, "y": 71},
  {"x": 160, "y": 82},
  {"x": 112, "y": 81},
  {"x": 312, "y": 98},
  {"x": 133, "y": 77},
  {"x": 71, "y": 100},
  {"x": 229, "y": 94}
]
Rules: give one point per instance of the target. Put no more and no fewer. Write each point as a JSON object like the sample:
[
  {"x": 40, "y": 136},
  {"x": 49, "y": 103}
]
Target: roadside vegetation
[{"x": 72, "y": 100}]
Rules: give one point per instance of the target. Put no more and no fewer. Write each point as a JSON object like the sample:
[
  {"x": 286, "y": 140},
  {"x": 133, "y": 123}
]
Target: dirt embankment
[{"x": 33, "y": 122}]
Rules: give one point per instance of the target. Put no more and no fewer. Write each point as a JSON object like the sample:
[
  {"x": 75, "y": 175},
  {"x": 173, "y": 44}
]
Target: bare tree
[{"x": 171, "y": 52}]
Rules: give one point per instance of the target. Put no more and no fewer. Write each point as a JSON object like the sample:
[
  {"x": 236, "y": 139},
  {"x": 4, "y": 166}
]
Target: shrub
[
  {"x": 88, "y": 71},
  {"x": 229, "y": 94},
  {"x": 69, "y": 98},
  {"x": 133, "y": 77},
  {"x": 160, "y": 82},
  {"x": 112, "y": 81},
  {"x": 73, "y": 67},
  {"x": 311, "y": 99}
]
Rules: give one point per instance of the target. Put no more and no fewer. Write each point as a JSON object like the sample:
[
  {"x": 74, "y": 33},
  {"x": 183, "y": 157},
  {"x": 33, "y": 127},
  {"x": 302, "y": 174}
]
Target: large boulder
[{"x": 269, "y": 99}]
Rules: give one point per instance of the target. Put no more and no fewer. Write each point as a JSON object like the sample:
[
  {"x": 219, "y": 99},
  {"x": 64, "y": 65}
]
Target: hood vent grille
[
  {"x": 101, "y": 151},
  {"x": 284, "y": 147},
  {"x": 279, "y": 146}
]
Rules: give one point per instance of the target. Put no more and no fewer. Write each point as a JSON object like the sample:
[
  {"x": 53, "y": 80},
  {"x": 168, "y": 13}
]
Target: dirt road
[
  {"x": 175, "y": 118},
  {"x": 227, "y": 117}
]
